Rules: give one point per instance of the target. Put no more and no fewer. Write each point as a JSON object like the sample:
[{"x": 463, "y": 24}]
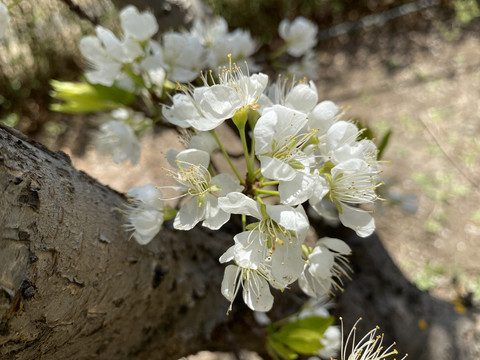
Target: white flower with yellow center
[
  {"x": 205, "y": 108},
  {"x": 274, "y": 243},
  {"x": 279, "y": 143},
  {"x": 353, "y": 182},
  {"x": 194, "y": 179}
]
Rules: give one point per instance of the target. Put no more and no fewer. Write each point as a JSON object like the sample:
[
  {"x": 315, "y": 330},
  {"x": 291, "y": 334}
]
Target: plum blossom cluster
[
  {"x": 151, "y": 65},
  {"x": 301, "y": 154},
  {"x": 298, "y": 151}
]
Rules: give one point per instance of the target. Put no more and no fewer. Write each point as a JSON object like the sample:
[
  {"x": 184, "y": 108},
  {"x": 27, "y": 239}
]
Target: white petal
[
  {"x": 147, "y": 194},
  {"x": 341, "y": 133},
  {"x": 358, "y": 220},
  {"x": 214, "y": 216},
  {"x": 302, "y": 97},
  {"x": 321, "y": 261},
  {"x": 227, "y": 255},
  {"x": 104, "y": 74},
  {"x": 154, "y": 69},
  {"x": 182, "y": 110},
  {"x": 290, "y": 218},
  {"x": 112, "y": 44},
  {"x": 256, "y": 293},
  {"x": 229, "y": 281},
  {"x": 193, "y": 156},
  {"x": 131, "y": 49},
  {"x": 276, "y": 169},
  {"x": 218, "y": 102},
  {"x": 189, "y": 215},
  {"x": 336, "y": 245},
  {"x": 238, "y": 203},
  {"x": 92, "y": 50},
  {"x": 298, "y": 190},
  {"x": 249, "y": 250},
  {"x": 226, "y": 184},
  {"x": 138, "y": 26},
  {"x": 287, "y": 262}
]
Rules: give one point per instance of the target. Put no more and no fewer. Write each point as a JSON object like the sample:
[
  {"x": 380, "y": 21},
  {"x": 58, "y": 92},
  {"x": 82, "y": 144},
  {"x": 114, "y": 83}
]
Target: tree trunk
[{"x": 73, "y": 286}]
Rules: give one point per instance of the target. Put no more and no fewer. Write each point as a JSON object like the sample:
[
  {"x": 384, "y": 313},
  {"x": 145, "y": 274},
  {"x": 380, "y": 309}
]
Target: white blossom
[
  {"x": 138, "y": 26},
  {"x": 194, "y": 179},
  {"x": 300, "y": 35},
  {"x": 278, "y": 143},
  {"x": 153, "y": 74},
  {"x": 209, "y": 30},
  {"x": 297, "y": 96},
  {"x": 324, "y": 267},
  {"x": 323, "y": 116},
  {"x": 256, "y": 291},
  {"x": 107, "y": 54},
  {"x": 236, "y": 47},
  {"x": 205, "y": 108},
  {"x": 119, "y": 140},
  {"x": 353, "y": 182},
  {"x": 144, "y": 213},
  {"x": 274, "y": 243},
  {"x": 182, "y": 56}
]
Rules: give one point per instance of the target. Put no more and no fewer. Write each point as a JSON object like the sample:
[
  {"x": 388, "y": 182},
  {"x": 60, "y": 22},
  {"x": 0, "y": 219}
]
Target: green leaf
[
  {"x": 383, "y": 143},
  {"x": 279, "y": 351},
  {"x": 302, "y": 341},
  {"x": 83, "y": 97},
  {"x": 302, "y": 336}
]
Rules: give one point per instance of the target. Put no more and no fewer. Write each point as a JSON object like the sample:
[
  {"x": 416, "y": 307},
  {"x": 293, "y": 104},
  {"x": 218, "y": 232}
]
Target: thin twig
[{"x": 473, "y": 182}]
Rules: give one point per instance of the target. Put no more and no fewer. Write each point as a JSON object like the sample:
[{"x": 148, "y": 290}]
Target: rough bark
[{"x": 73, "y": 286}]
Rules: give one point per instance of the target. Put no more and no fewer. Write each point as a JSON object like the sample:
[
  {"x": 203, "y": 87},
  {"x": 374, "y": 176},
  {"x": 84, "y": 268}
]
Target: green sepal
[
  {"x": 240, "y": 118},
  {"x": 327, "y": 167},
  {"x": 83, "y": 97},
  {"x": 169, "y": 213},
  {"x": 253, "y": 117}
]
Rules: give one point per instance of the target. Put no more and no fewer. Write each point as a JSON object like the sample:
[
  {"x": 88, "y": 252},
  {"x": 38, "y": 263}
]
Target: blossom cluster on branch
[{"x": 299, "y": 153}]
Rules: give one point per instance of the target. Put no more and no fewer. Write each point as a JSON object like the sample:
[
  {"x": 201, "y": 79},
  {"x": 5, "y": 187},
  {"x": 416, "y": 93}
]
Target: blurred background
[{"x": 416, "y": 75}]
